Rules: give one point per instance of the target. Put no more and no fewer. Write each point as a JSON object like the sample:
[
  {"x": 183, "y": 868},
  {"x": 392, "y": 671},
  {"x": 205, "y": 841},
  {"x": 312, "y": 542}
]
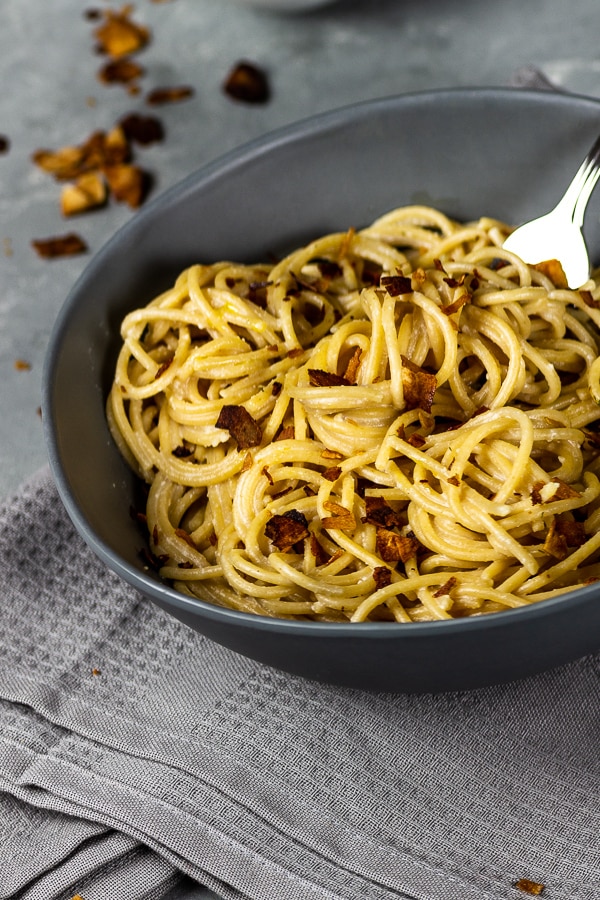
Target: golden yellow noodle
[{"x": 399, "y": 423}]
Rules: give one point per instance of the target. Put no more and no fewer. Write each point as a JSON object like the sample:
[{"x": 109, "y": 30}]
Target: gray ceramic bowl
[{"x": 498, "y": 152}]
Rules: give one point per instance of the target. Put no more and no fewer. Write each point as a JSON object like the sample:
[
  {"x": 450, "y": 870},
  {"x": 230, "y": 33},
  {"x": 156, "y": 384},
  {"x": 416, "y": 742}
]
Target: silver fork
[{"x": 558, "y": 235}]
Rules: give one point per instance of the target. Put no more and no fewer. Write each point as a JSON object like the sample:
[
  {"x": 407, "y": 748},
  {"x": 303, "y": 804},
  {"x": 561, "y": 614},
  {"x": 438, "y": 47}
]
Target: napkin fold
[{"x": 134, "y": 751}]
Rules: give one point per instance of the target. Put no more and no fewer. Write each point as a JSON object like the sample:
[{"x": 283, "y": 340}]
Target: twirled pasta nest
[{"x": 398, "y": 423}]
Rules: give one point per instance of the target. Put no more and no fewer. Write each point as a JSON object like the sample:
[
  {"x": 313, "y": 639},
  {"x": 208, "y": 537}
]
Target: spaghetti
[{"x": 399, "y": 424}]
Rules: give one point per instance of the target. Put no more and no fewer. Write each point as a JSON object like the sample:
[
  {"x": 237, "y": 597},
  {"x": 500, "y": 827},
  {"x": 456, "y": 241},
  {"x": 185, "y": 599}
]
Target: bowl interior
[{"x": 503, "y": 153}]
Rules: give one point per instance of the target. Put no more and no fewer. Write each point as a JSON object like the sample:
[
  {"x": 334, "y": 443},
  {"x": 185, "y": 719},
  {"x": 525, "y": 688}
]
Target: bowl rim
[{"x": 163, "y": 593}]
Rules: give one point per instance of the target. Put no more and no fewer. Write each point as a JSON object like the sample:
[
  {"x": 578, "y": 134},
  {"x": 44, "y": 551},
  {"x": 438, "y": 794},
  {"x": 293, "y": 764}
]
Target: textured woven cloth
[{"x": 133, "y": 750}]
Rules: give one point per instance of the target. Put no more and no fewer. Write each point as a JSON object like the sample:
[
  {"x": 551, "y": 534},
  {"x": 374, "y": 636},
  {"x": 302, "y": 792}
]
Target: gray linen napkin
[{"x": 133, "y": 749}]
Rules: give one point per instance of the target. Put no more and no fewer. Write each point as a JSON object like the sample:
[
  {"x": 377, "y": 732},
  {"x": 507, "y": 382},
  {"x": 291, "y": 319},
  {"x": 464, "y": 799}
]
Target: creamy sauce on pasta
[{"x": 398, "y": 423}]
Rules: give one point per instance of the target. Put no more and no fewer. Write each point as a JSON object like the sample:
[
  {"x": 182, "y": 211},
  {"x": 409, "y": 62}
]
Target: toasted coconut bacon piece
[
  {"x": 445, "y": 588},
  {"x": 248, "y": 83},
  {"x": 392, "y": 547},
  {"x": 396, "y": 285},
  {"x": 63, "y": 164},
  {"x": 240, "y": 425},
  {"x": 287, "y": 530},
  {"x": 88, "y": 192},
  {"x": 545, "y": 492},
  {"x": 564, "y": 536},
  {"x": 174, "y": 94},
  {"x": 419, "y": 386},
  {"x": 382, "y": 576},
  {"x": 533, "y": 888},
  {"x": 98, "y": 150},
  {"x": 127, "y": 184},
  {"x": 341, "y": 518},
  {"x": 380, "y": 513},
  {"x": 63, "y": 245},
  {"x": 554, "y": 271},
  {"x": 319, "y": 378},
  {"x": 353, "y": 366},
  {"x": 120, "y": 71},
  {"x": 142, "y": 130},
  {"x": 119, "y": 35}
]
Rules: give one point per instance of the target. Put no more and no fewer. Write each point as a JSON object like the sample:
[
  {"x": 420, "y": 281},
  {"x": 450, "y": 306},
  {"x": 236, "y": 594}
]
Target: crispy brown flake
[
  {"x": 21, "y": 365},
  {"x": 416, "y": 440},
  {"x": 554, "y": 271},
  {"x": 320, "y": 554},
  {"x": 247, "y": 83},
  {"x": 353, "y": 366},
  {"x": 419, "y": 386},
  {"x": 287, "y": 530},
  {"x": 95, "y": 672},
  {"x": 142, "y": 130},
  {"x": 267, "y": 474},
  {"x": 319, "y": 378},
  {"x": 138, "y": 516},
  {"x": 163, "y": 368},
  {"x": 547, "y": 492},
  {"x": 346, "y": 243},
  {"x": 127, "y": 184},
  {"x": 371, "y": 273},
  {"x": 63, "y": 164},
  {"x": 63, "y": 245},
  {"x": 392, "y": 547},
  {"x": 382, "y": 576},
  {"x": 455, "y": 282},
  {"x": 564, "y": 536},
  {"x": 332, "y": 454},
  {"x": 287, "y": 433},
  {"x": 174, "y": 94},
  {"x": 534, "y": 888},
  {"x": 85, "y": 193},
  {"x": 119, "y": 35},
  {"x": 257, "y": 294},
  {"x": 396, "y": 285},
  {"x": 245, "y": 431},
  {"x": 380, "y": 513},
  {"x": 458, "y": 303},
  {"x": 120, "y": 71},
  {"x": 341, "y": 518},
  {"x": 588, "y": 299},
  {"x": 182, "y": 452},
  {"x": 332, "y": 474},
  {"x": 116, "y": 148},
  {"x": 445, "y": 588},
  {"x": 185, "y": 536},
  {"x": 153, "y": 562}
]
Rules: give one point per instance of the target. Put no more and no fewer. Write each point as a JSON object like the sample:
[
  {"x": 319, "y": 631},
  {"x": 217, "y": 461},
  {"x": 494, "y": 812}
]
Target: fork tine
[{"x": 591, "y": 179}]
